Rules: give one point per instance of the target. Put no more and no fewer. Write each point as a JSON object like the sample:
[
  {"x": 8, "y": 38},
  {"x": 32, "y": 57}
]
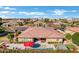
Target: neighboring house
[
  {"x": 72, "y": 20},
  {"x": 14, "y": 20},
  {"x": 6, "y": 20},
  {"x": 50, "y": 24},
  {"x": 20, "y": 20},
  {"x": 9, "y": 24},
  {"x": 18, "y": 28},
  {"x": 55, "y": 24},
  {"x": 40, "y": 23},
  {"x": 72, "y": 30},
  {"x": 42, "y": 34}
]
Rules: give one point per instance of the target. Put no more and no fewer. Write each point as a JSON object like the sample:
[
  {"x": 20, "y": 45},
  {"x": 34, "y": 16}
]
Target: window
[{"x": 52, "y": 42}]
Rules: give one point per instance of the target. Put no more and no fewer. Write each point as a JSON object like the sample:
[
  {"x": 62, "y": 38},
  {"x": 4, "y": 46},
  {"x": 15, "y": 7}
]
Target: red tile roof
[
  {"x": 40, "y": 32},
  {"x": 74, "y": 29}
]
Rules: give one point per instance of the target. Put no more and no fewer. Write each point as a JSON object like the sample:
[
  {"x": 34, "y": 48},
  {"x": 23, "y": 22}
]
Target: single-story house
[
  {"x": 72, "y": 30},
  {"x": 42, "y": 34}
]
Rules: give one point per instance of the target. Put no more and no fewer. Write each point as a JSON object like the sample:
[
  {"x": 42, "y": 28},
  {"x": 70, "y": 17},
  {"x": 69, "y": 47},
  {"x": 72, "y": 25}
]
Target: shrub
[
  {"x": 11, "y": 36},
  {"x": 68, "y": 36},
  {"x": 75, "y": 38}
]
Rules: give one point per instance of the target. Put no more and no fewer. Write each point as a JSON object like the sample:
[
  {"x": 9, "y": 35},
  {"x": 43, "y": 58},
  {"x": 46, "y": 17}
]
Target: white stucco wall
[
  {"x": 53, "y": 40},
  {"x": 45, "y": 44},
  {"x": 47, "y": 40},
  {"x": 24, "y": 39}
]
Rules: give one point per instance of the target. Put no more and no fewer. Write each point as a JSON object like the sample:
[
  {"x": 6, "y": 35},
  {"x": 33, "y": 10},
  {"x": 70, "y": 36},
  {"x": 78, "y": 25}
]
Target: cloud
[
  {"x": 58, "y": 12},
  {"x": 61, "y": 11},
  {"x": 9, "y": 8},
  {"x": 33, "y": 13},
  {"x": 42, "y": 16},
  {"x": 7, "y": 12},
  {"x": 74, "y": 11},
  {"x": 0, "y": 6},
  {"x": 46, "y": 17},
  {"x": 35, "y": 17},
  {"x": 4, "y": 16}
]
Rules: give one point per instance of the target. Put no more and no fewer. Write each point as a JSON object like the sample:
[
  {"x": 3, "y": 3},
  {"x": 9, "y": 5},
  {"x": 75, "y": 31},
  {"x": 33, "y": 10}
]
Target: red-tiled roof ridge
[{"x": 40, "y": 32}]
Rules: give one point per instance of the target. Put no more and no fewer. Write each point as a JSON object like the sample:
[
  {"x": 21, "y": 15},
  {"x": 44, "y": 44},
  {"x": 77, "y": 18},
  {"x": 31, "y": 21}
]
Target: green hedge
[
  {"x": 68, "y": 36},
  {"x": 75, "y": 38}
]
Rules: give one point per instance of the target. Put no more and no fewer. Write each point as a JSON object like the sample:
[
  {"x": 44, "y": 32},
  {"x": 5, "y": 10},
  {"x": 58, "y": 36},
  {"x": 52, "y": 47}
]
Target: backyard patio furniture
[
  {"x": 36, "y": 45},
  {"x": 28, "y": 44}
]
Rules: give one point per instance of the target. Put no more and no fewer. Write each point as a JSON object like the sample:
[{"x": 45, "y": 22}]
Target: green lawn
[
  {"x": 70, "y": 46},
  {"x": 4, "y": 38}
]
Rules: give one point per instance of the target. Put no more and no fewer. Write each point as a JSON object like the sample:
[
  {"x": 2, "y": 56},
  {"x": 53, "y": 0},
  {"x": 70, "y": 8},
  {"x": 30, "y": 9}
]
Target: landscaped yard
[
  {"x": 4, "y": 38},
  {"x": 72, "y": 48}
]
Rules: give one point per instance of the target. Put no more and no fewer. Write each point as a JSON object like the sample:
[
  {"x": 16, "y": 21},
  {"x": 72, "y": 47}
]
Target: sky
[{"x": 39, "y": 11}]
